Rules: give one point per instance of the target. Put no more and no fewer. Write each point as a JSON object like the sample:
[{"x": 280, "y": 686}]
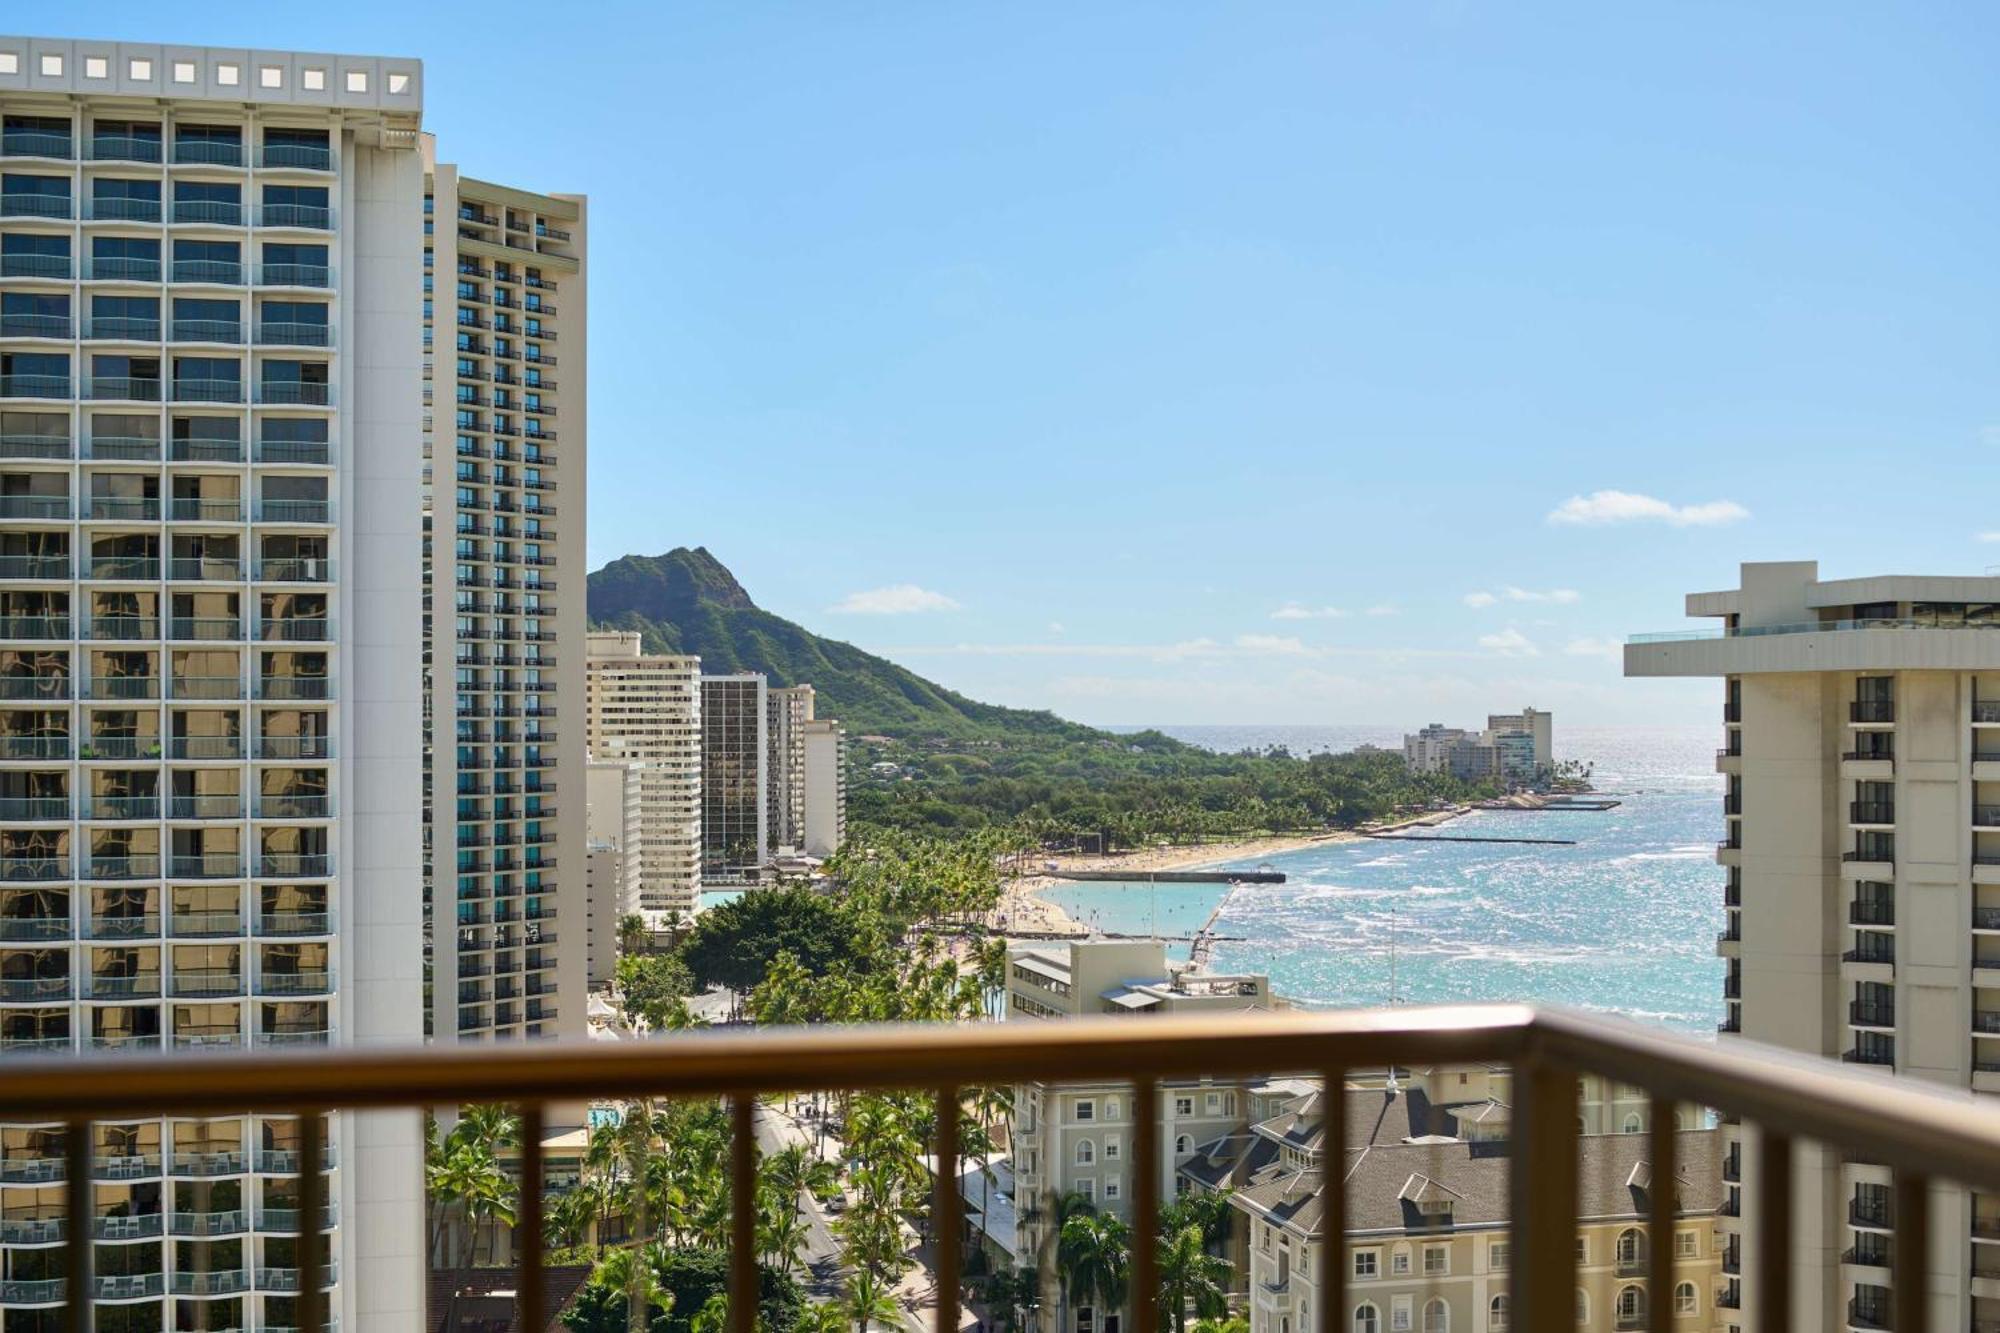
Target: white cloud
[
  {"x": 1055, "y": 627},
  {"x": 1384, "y": 610},
  {"x": 1989, "y": 537},
  {"x": 1603, "y": 507},
  {"x": 1297, "y": 611},
  {"x": 1271, "y": 643},
  {"x": 1482, "y": 598},
  {"x": 900, "y": 599},
  {"x": 1509, "y": 642},
  {"x": 1609, "y": 649}
]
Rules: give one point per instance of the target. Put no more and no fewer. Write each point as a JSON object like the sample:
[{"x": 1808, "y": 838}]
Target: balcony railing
[{"x": 1917, "y": 1132}]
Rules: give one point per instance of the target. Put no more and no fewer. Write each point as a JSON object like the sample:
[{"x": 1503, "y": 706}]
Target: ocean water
[{"x": 1624, "y": 921}]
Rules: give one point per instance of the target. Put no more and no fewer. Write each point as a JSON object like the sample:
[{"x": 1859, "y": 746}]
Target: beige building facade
[
  {"x": 505, "y": 283},
  {"x": 1861, "y": 888},
  {"x": 611, "y": 871},
  {"x": 645, "y": 709}
]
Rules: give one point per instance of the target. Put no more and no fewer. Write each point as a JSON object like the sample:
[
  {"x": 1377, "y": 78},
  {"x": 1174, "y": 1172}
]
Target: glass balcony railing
[
  {"x": 208, "y": 391},
  {"x": 307, "y": 216},
  {"x": 56, "y": 206},
  {"x": 34, "y": 386},
  {"x": 120, "y": 268},
  {"x": 35, "y": 326},
  {"x": 205, "y": 569},
  {"x": 279, "y": 333},
  {"x": 126, "y": 148},
  {"x": 208, "y": 272},
  {"x": 229, "y": 332},
  {"x": 208, "y": 213},
  {"x": 60, "y": 267},
  {"x": 296, "y": 157},
  {"x": 119, "y": 208},
  {"x": 208, "y": 152},
  {"x": 23, "y": 444},
  {"x": 295, "y": 275},
  {"x": 38, "y": 143},
  {"x": 122, "y": 448}
]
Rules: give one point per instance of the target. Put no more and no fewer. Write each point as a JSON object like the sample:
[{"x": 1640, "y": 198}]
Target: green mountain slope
[{"x": 686, "y": 601}]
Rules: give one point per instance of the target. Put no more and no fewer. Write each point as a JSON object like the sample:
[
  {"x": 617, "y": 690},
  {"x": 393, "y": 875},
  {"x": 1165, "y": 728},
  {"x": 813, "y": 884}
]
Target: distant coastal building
[
  {"x": 1861, "y": 890},
  {"x": 823, "y": 800},
  {"x": 645, "y": 708},
  {"x": 735, "y": 814},
  {"x": 1515, "y": 747},
  {"x": 787, "y": 711},
  {"x": 613, "y": 792}
]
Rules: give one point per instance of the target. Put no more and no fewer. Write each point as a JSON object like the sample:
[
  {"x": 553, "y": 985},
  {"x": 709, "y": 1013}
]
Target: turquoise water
[{"x": 1622, "y": 922}]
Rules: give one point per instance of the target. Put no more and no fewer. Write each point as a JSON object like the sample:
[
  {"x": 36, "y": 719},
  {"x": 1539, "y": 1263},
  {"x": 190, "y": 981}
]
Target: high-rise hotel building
[
  {"x": 504, "y": 284},
  {"x": 645, "y": 709},
  {"x": 735, "y": 778},
  {"x": 210, "y": 765},
  {"x": 1861, "y": 899}
]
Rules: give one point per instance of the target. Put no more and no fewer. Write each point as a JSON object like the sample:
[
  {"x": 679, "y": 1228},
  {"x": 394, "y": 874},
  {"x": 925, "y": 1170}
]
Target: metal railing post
[
  {"x": 1774, "y": 1232},
  {"x": 312, "y": 1192},
  {"x": 947, "y": 1211},
  {"x": 1542, "y": 1196},
  {"x": 743, "y": 1213},
  {"x": 1662, "y": 1209},
  {"x": 80, "y": 1207},
  {"x": 530, "y": 1279},
  {"x": 1333, "y": 1203},
  {"x": 1146, "y": 1205},
  {"x": 1909, "y": 1293}
]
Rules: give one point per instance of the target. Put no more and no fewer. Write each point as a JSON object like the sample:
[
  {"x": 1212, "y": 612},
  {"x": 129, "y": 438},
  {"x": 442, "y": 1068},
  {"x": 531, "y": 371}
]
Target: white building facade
[{"x": 210, "y": 702}]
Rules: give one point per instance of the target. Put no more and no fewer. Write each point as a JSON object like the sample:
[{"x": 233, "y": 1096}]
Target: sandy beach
[{"x": 1023, "y": 910}]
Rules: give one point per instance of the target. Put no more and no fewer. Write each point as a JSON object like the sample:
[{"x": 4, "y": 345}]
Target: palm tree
[
  {"x": 1095, "y": 1254},
  {"x": 713, "y": 1316},
  {"x": 828, "y": 1318},
  {"x": 631, "y": 933},
  {"x": 869, "y": 1300},
  {"x": 1190, "y": 1275}
]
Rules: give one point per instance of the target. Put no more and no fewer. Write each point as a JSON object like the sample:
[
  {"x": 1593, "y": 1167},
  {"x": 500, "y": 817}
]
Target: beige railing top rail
[{"x": 1899, "y": 1122}]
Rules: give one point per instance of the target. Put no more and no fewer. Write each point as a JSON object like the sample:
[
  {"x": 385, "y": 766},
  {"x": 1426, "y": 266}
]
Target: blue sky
[{"x": 1093, "y": 356}]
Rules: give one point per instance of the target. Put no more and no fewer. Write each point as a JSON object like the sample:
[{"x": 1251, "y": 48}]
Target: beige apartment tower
[
  {"x": 611, "y": 871},
  {"x": 1861, "y": 894},
  {"x": 505, "y": 273},
  {"x": 645, "y": 709}
]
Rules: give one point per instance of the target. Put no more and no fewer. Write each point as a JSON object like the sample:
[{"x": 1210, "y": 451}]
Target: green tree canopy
[{"x": 732, "y": 945}]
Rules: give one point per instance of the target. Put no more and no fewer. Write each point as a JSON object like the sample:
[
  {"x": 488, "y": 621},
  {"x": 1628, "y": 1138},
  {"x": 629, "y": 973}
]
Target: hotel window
[
  {"x": 1111, "y": 1149},
  {"x": 1086, "y": 1110},
  {"x": 1687, "y": 1245},
  {"x": 1111, "y": 1187},
  {"x": 1496, "y": 1256},
  {"x": 1086, "y": 1152},
  {"x": 1110, "y": 1108},
  {"x": 1399, "y": 1261},
  {"x": 1685, "y": 1301},
  {"x": 1437, "y": 1260},
  {"x": 1183, "y": 1106}
]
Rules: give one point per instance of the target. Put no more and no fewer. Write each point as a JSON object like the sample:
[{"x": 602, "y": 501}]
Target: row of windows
[
  {"x": 1630, "y": 1248},
  {"x": 226, "y": 73},
  {"x": 1631, "y": 1307}
]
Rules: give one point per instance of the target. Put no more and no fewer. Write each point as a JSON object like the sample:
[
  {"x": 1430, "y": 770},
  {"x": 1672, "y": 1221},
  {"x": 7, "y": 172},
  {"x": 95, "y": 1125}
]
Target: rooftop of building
[
  {"x": 1405, "y": 1159},
  {"x": 385, "y": 88}
]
